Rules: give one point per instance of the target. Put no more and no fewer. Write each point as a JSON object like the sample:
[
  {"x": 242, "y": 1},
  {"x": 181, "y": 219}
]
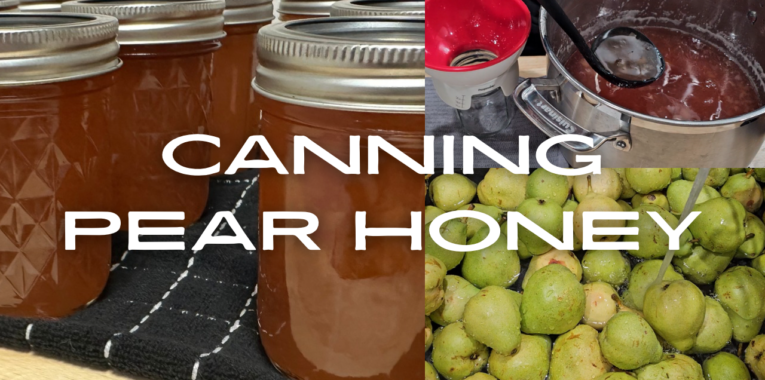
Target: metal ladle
[{"x": 622, "y": 55}]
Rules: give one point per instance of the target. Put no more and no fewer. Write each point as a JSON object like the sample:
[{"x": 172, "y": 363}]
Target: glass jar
[
  {"x": 9, "y": 5},
  {"x": 54, "y": 158},
  {"x": 345, "y": 8},
  {"x": 162, "y": 92},
  {"x": 40, "y": 5},
  {"x": 338, "y": 313},
  {"x": 290, "y": 10},
  {"x": 235, "y": 115}
]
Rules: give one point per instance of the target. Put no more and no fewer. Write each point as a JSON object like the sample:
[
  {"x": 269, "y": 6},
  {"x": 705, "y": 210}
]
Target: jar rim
[
  {"x": 305, "y": 8},
  {"x": 378, "y": 8},
  {"x": 239, "y": 12}
]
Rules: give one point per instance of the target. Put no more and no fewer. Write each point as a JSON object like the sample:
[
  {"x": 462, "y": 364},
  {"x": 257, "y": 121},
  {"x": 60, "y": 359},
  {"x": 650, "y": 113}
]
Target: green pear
[
  {"x": 737, "y": 170},
  {"x": 453, "y": 231},
  {"x": 677, "y": 174},
  {"x": 473, "y": 225},
  {"x": 759, "y": 264},
  {"x": 628, "y": 342},
  {"x": 571, "y": 206},
  {"x": 616, "y": 376},
  {"x": 430, "y": 372},
  {"x": 716, "y": 177},
  {"x": 494, "y": 265},
  {"x": 530, "y": 362},
  {"x": 741, "y": 292},
  {"x": 625, "y": 206},
  {"x": 627, "y": 191},
  {"x": 645, "y": 181},
  {"x": 431, "y": 212},
  {"x": 759, "y": 174},
  {"x": 456, "y": 355},
  {"x": 672, "y": 367},
  {"x": 553, "y": 301},
  {"x": 755, "y": 238},
  {"x": 725, "y": 366},
  {"x": 523, "y": 252},
  {"x": 596, "y": 202},
  {"x": 435, "y": 271},
  {"x": 656, "y": 198},
  {"x": 607, "y": 183},
  {"x": 745, "y": 189},
  {"x": 492, "y": 318},
  {"x": 720, "y": 226},
  {"x": 642, "y": 276},
  {"x": 601, "y": 304},
  {"x": 457, "y": 292},
  {"x": 502, "y": 189},
  {"x": 481, "y": 376},
  {"x": 428, "y": 333},
  {"x": 548, "y": 186},
  {"x": 653, "y": 241},
  {"x": 755, "y": 356},
  {"x": 554, "y": 256},
  {"x": 702, "y": 266},
  {"x": 678, "y": 191},
  {"x": 449, "y": 192},
  {"x": 675, "y": 310},
  {"x": 517, "y": 297},
  {"x": 576, "y": 355},
  {"x": 716, "y": 331},
  {"x": 607, "y": 266},
  {"x": 548, "y": 216}
]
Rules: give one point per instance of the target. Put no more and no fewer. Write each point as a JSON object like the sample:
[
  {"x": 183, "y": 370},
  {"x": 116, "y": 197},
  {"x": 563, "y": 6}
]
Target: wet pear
[
  {"x": 615, "y": 376},
  {"x": 627, "y": 191},
  {"x": 430, "y": 372},
  {"x": 554, "y": 256},
  {"x": 451, "y": 191},
  {"x": 548, "y": 186},
  {"x": 675, "y": 310},
  {"x": 481, "y": 376},
  {"x": 672, "y": 367},
  {"x": 494, "y": 265},
  {"x": 725, "y": 366},
  {"x": 517, "y": 297},
  {"x": 656, "y": 198},
  {"x": 625, "y": 206},
  {"x": 745, "y": 189},
  {"x": 755, "y": 238},
  {"x": 716, "y": 177},
  {"x": 677, "y": 174},
  {"x": 553, "y": 301},
  {"x": 548, "y": 216},
  {"x": 645, "y": 181},
  {"x": 492, "y": 318},
  {"x": 607, "y": 183},
  {"x": 428, "y": 333},
  {"x": 431, "y": 212},
  {"x": 456, "y": 355},
  {"x": 435, "y": 271},
  {"x": 453, "y": 231},
  {"x": 473, "y": 225},
  {"x": 457, "y": 292},
  {"x": 702, "y": 266},
  {"x": 601, "y": 304},
  {"x": 530, "y": 362},
  {"x": 502, "y": 189},
  {"x": 628, "y": 342},
  {"x": 755, "y": 356},
  {"x": 759, "y": 264},
  {"x": 716, "y": 331},
  {"x": 596, "y": 202},
  {"x": 571, "y": 206},
  {"x": 678, "y": 191},
  {"x": 720, "y": 226},
  {"x": 741, "y": 292},
  {"x": 576, "y": 355},
  {"x": 523, "y": 252},
  {"x": 607, "y": 266},
  {"x": 642, "y": 276},
  {"x": 759, "y": 174},
  {"x": 653, "y": 241}
]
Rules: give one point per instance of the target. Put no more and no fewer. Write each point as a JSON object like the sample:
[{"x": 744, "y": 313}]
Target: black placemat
[{"x": 169, "y": 314}]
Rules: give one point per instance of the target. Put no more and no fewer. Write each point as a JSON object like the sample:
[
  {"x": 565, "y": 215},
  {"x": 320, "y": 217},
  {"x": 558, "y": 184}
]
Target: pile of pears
[{"x": 540, "y": 313}]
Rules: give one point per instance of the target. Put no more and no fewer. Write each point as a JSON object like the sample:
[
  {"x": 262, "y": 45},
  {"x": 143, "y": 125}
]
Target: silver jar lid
[
  {"x": 152, "y": 22},
  {"x": 248, "y": 11},
  {"x": 40, "y": 5},
  {"x": 305, "y": 7},
  {"x": 372, "y": 64},
  {"x": 9, "y": 5},
  {"x": 378, "y": 8},
  {"x": 53, "y": 47}
]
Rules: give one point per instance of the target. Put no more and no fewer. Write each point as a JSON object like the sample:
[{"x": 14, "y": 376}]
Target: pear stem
[{"x": 749, "y": 172}]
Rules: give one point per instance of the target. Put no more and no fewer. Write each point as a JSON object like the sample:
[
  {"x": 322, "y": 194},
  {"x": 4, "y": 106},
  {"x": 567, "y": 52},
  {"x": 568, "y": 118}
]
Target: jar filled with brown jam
[
  {"x": 290, "y": 10},
  {"x": 162, "y": 92},
  {"x": 338, "y": 313},
  {"x": 55, "y": 76},
  {"x": 235, "y": 115},
  {"x": 344, "y": 8}
]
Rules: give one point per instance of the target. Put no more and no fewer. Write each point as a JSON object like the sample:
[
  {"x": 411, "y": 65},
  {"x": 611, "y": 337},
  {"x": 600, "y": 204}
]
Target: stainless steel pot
[{"x": 559, "y": 104}]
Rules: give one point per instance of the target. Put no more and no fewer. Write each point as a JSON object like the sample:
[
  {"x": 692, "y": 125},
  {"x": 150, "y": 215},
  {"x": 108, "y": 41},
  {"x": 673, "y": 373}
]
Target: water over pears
[
  {"x": 492, "y": 318},
  {"x": 608, "y": 266},
  {"x": 642, "y": 276},
  {"x": 653, "y": 241},
  {"x": 627, "y": 191},
  {"x": 678, "y": 191},
  {"x": 755, "y": 356},
  {"x": 456, "y": 355},
  {"x": 745, "y": 189},
  {"x": 607, "y": 183},
  {"x": 576, "y": 355},
  {"x": 601, "y": 304},
  {"x": 741, "y": 291},
  {"x": 553, "y": 301},
  {"x": 554, "y": 256},
  {"x": 530, "y": 362},
  {"x": 716, "y": 331},
  {"x": 596, "y": 202},
  {"x": 451, "y": 191},
  {"x": 548, "y": 216},
  {"x": 548, "y": 186},
  {"x": 502, "y": 189},
  {"x": 720, "y": 226},
  {"x": 675, "y": 310},
  {"x": 645, "y": 181},
  {"x": 453, "y": 231},
  {"x": 493, "y": 265},
  {"x": 725, "y": 366},
  {"x": 435, "y": 271},
  {"x": 457, "y": 292},
  {"x": 716, "y": 177},
  {"x": 702, "y": 266},
  {"x": 672, "y": 367},
  {"x": 628, "y": 342}
]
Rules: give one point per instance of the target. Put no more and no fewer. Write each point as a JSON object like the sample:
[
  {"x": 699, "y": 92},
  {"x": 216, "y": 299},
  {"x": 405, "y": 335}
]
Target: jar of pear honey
[
  {"x": 378, "y": 8},
  {"x": 235, "y": 115},
  {"x": 9, "y": 5},
  {"x": 56, "y": 72},
  {"x": 162, "y": 92},
  {"x": 290, "y": 10},
  {"x": 338, "y": 313}
]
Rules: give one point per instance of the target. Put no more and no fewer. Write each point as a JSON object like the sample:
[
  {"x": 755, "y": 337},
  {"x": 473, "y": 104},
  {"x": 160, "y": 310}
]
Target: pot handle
[{"x": 546, "y": 117}]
